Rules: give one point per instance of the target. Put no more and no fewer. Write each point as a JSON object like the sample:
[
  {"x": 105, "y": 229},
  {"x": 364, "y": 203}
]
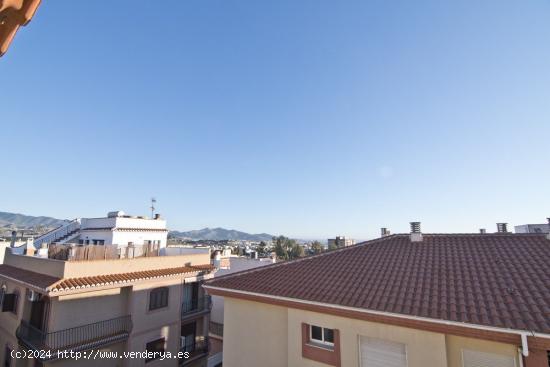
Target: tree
[
  {"x": 287, "y": 249},
  {"x": 316, "y": 247},
  {"x": 332, "y": 246},
  {"x": 262, "y": 249}
]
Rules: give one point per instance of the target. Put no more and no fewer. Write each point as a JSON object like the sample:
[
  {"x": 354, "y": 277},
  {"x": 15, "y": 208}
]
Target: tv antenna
[{"x": 153, "y": 201}]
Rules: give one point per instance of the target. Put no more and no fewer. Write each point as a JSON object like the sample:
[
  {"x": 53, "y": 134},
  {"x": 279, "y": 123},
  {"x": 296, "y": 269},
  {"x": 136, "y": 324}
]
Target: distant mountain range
[
  {"x": 218, "y": 234},
  {"x": 22, "y": 221}
]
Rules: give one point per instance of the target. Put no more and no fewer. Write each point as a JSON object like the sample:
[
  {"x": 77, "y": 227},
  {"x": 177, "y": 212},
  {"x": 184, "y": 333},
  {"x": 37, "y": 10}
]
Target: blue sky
[{"x": 305, "y": 118}]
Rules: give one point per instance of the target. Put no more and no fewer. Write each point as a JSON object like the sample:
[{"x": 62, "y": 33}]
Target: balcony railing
[
  {"x": 194, "y": 306},
  {"x": 194, "y": 351},
  {"x": 78, "y": 338},
  {"x": 216, "y": 328}
]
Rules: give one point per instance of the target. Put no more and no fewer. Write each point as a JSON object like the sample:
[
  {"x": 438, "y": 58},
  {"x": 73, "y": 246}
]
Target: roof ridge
[{"x": 305, "y": 258}]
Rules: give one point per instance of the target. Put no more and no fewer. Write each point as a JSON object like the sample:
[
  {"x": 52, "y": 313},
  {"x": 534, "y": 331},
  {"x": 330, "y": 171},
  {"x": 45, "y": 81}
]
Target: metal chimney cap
[
  {"x": 502, "y": 227},
  {"x": 482, "y": 230},
  {"x": 415, "y": 227}
]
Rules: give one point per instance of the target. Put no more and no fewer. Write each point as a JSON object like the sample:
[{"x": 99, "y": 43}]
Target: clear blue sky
[{"x": 304, "y": 118}]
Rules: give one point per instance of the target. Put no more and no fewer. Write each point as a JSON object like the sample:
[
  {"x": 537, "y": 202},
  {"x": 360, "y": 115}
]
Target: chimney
[
  {"x": 416, "y": 234},
  {"x": 13, "y": 238},
  {"x": 502, "y": 227},
  {"x": 29, "y": 247},
  {"x": 384, "y": 232},
  {"x": 482, "y": 230}
]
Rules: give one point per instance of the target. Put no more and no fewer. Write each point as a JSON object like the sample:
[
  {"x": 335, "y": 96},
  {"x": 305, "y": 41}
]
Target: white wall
[{"x": 237, "y": 264}]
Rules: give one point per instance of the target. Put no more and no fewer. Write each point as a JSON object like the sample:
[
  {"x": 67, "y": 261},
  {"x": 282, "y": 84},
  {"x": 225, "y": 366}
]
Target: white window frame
[{"x": 322, "y": 342}]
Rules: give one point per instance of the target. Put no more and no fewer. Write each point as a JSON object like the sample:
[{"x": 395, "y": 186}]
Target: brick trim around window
[{"x": 327, "y": 356}]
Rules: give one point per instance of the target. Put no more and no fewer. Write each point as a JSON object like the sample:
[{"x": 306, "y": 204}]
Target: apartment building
[
  {"x": 403, "y": 300},
  {"x": 533, "y": 228},
  {"x": 105, "y": 297},
  {"x": 340, "y": 241}
]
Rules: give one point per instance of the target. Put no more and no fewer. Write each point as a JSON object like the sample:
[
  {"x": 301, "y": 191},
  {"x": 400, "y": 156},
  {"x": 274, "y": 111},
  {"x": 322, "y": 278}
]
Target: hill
[
  {"x": 27, "y": 221},
  {"x": 218, "y": 234},
  {"x": 22, "y": 221}
]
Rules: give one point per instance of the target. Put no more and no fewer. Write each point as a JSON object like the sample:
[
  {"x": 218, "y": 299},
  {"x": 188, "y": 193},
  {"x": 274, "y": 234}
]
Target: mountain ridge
[
  {"x": 218, "y": 234},
  {"x": 23, "y": 221}
]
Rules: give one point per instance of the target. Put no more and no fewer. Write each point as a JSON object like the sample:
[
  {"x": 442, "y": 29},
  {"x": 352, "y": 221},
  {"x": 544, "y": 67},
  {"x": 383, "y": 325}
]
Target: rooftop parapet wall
[
  {"x": 122, "y": 222},
  {"x": 76, "y": 269},
  {"x": 55, "y": 268}
]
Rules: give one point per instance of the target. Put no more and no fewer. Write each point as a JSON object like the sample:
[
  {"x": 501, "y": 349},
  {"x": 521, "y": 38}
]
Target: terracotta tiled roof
[
  {"x": 53, "y": 285},
  {"x": 498, "y": 280},
  {"x": 30, "y": 278},
  {"x": 14, "y": 14},
  {"x": 102, "y": 280}
]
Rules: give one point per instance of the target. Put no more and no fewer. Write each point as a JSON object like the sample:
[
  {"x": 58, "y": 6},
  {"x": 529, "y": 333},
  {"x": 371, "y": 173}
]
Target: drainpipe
[
  {"x": 520, "y": 358},
  {"x": 524, "y": 346}
]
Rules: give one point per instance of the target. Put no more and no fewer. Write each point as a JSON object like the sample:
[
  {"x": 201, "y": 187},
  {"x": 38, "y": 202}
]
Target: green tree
[
  {"x": 287, "y": 249},
  {"x": 316, "y": 247},
  {"x": 332, "y": 246},
  {"x": 262, "y": 249}
]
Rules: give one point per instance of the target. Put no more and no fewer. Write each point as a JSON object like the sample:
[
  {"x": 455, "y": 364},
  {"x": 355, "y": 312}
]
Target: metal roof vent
[
  {"x": 502, "y": 227},
  {"x": 384, "y": 232},
  {"x": 416, "y": 234},
  {"x": 482, "y": 230}
]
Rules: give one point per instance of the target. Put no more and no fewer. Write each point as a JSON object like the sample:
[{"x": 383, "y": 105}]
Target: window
[
  {"x": 158, "y": 298},
  {"x": 2, "y": 292},
  {"x": 7, "y": 356},
  {"x": 321, "y": 335},
  {"x": 154, "y": 349},
  {"x": 321, "y": 344},
  {"x": 10, "y": 302},
  {"x": 472, "y": 358},
  {"x": 382, "y": 353}
]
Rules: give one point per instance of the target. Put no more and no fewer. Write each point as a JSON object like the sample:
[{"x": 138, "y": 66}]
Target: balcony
[
  {"x": 194, "y": 351},
  {"x": 196, "y": 307},
  {"x": 216, "y": 329},
  {"x": 79, "y": 338}
]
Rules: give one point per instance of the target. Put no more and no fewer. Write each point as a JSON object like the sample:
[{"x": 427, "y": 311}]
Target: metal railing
[
  {"x": 57, "y": 233},
  {"x": 77, "y": 338},
  {"x": 215, "y": 328},
  {"x": 195, "y": 305},
  {"x": 194, "y": 350}
]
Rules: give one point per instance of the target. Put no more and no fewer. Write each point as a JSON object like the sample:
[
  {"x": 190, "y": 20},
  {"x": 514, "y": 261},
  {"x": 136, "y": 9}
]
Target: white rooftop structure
[{"x": 117, "y": 228}]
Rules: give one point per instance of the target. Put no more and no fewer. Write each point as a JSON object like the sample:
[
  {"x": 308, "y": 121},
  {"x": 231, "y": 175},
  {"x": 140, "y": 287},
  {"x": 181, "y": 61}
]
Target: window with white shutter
[
  {"x": 473, "y": 358},
  {"x": 382, "y": 353}
]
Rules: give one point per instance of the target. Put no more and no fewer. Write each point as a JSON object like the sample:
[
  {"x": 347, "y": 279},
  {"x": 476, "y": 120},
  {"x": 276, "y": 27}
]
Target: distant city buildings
[
  {"x": 340, "y": 241},
  {"x": 533, "y": 228}
]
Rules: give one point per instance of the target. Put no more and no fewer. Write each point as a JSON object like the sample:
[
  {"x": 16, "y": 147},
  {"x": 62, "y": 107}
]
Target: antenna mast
[{"x": 153, "y": 201}]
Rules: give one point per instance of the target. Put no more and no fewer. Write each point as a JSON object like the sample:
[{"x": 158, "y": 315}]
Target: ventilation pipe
[
  {"x": 502, "y": 227},
  {"x": 482, "y": 230},
  {"x": 384, "y": 232},
  {"x": 416, "y": 233}
]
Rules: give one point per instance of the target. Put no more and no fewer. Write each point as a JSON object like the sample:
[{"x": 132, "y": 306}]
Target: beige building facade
[{"x": 279, "y": 340}]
